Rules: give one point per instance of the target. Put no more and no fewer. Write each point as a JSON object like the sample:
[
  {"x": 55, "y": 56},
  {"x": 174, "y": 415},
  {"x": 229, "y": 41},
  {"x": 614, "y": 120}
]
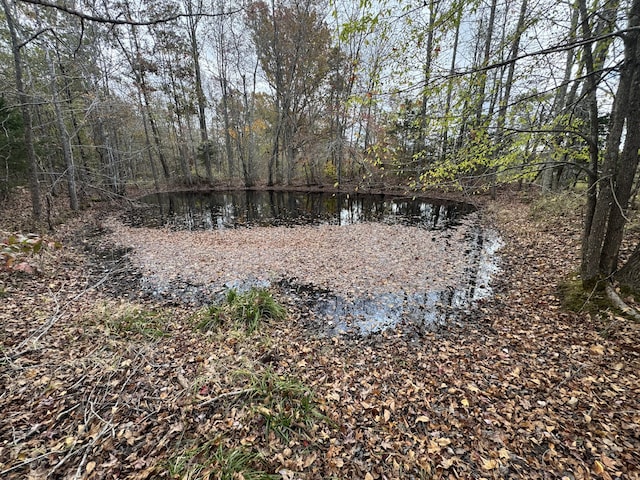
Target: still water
[
  {"x": 333, "y": 314},
  {"x": 218, "y": 210}
]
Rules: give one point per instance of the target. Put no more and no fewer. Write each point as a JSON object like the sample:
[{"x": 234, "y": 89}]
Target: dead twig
[
  {"x": 620, "y": 304},
  {"x": 235, "y": 393}
]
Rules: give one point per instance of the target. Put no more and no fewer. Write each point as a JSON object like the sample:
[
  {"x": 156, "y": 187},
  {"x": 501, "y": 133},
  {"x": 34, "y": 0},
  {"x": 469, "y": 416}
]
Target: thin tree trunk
[
  {"x": 34, "y": 185},
  {"x": 591, "y": 246},
  {"x": 601, "y": 242},
  {"x": 452, "y": 69},
  {"x": 64, "y": 139},
  {"x": 485, "y": 61},
  {"x": 200, "y": 97}
]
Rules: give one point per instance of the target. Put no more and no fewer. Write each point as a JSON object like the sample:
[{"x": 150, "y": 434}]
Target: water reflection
[
  {"x": 415, "y": 312},
  {"x": 218, "y": 210},
  {"x": 333, "y": 314}
]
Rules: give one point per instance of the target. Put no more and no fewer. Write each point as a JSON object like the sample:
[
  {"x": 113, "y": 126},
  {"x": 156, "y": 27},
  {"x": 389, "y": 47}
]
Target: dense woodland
[{"x": 99, "y": 96}]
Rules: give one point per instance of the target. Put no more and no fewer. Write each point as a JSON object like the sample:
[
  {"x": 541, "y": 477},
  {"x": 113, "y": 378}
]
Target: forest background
[{"x": 466, "y": 95}]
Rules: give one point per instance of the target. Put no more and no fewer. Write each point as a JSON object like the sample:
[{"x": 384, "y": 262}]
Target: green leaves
[{"x": 16, "y": 248}]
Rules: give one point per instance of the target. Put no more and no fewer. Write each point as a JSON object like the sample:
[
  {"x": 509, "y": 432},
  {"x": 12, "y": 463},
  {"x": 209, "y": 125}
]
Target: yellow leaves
[
  {"x": 597, "y": 349},
  {"x": 263, "y": 411},
  {"x": 599, "y": 469},
  {"x": 489, "y": 464},
  {"x": 443, "y": 442},
  {"x": 91, "y": 466}
]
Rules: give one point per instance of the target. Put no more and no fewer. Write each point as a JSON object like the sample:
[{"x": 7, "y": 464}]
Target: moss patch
[{"x": 575, "y": 298}]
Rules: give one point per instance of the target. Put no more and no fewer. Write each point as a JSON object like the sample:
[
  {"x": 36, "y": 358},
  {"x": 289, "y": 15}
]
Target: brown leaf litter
[{"x": 517, "y": 388}]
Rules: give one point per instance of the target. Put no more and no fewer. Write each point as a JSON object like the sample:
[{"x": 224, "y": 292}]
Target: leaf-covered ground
[{"x": 99, "y": 386}]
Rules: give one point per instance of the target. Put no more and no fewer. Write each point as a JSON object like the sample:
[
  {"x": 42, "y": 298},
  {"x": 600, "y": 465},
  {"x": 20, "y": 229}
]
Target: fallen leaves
[
  {"x": 351, "y": 261},
  {"x": 517, "y": 388}
]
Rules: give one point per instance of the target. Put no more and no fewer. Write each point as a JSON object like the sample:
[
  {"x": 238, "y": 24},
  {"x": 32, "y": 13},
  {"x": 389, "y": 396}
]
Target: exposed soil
[{"x": 518, "y": 388}]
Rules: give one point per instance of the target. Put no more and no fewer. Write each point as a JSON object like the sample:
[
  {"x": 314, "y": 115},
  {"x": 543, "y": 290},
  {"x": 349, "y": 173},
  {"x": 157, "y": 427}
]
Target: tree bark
[
  {"x": 64, "y": 140},
  {"x": 34, "y": 185},
  {"x": 200, "y": 97},
  {"x": 601, "y": 243}
]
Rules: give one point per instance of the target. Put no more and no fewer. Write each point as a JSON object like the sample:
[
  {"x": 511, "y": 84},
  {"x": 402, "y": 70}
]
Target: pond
[
  {"x": 246, "y": 208},
  {"x": 362, "y": 263}
]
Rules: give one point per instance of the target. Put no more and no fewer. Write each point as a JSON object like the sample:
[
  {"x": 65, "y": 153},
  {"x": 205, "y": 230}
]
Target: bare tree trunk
[
  {"x": 452, "y": 69},
  {"x": 34, "y": 185},
  {"x": 227, "y": 124},
  {"x": 200, "y": 97},
  {"x": 513, "y": 54},
  {"x": 601, "y": 242},
  {"x": 64, "y": 139},
  {"x": 485, "y": 61},
  {"x": 139, "y": 73},
  {"x": 154, "y": 170},
  {"x": 433, "y": 11}
]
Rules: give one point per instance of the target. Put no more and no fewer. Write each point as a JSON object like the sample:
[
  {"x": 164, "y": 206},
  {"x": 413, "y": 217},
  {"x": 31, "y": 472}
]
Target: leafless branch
[{"x": 125, "y": 21}]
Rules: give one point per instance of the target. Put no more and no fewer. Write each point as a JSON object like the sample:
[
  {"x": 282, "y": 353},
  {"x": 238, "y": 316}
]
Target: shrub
[{"x": 16, "y": 248}]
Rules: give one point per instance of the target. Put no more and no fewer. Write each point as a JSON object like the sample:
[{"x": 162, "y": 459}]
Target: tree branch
[
  {"x": 561, "y": 131},
  {"x": 125, "y": 21},
  {"x": 34, "y": 36}
]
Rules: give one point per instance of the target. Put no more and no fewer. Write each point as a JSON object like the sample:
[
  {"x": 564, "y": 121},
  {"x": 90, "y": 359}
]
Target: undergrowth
[
  {"x": 576, "y": 299},
  {"x": 246, "y": 310},
  {"x": 130, "y": 319},
  {"x": 286, "y": 405},
  {"x": 218, "y": 463},
  {"x": 566, "y": 204}
]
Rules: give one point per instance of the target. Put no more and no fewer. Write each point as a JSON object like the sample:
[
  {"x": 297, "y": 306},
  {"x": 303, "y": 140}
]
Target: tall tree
[
  {"x": 16, "y": 48},
  {"x": 193, "y": 22},
  {"x": 604, "y": 228},
  {"x": 292, "y": 42}
]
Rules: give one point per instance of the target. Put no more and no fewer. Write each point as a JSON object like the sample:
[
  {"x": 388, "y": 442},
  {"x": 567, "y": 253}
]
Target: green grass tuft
[
  {"x": 285, "y": 404},
  {"x": 134, "y": 320},
  {"x": 210, "y": 462},
  {"x": 248, "y": 310}
]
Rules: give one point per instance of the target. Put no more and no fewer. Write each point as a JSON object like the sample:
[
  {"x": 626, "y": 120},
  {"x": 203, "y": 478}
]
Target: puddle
[
  {"x": 246, "y": 208},
  {"x": 357, "y": 314}
]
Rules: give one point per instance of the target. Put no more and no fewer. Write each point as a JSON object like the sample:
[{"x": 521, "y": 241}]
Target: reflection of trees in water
[
  {"x": 369, "y": 314},
  {"x": 191, "y": 210}
]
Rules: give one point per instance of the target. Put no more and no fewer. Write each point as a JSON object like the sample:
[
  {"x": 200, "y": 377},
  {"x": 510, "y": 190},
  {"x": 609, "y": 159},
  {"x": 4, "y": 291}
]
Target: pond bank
[{"x": 521, "y": 389}]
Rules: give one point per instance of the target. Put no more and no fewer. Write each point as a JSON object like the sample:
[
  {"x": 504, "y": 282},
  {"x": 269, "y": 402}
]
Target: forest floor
[{"x": 100, "y": 381}]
